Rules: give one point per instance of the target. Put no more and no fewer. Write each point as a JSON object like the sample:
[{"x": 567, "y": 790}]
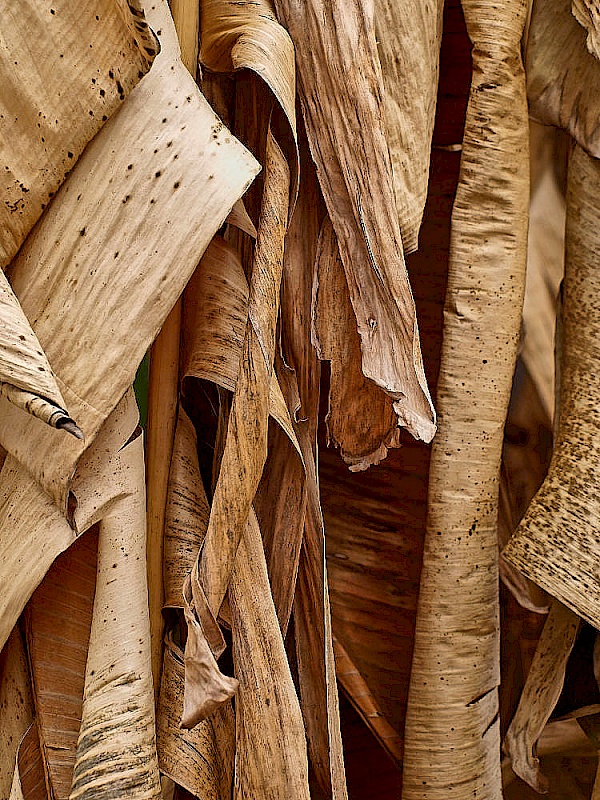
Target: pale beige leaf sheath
[
  {"x": 562, "y": 76},
  {"x": 452, "y": 747},
  {"x": 115, "y": 239},
  {"x": 557, "y": 544},
  {"x": 116, "y": 750},
  {"x": 409, "y": 35},
  {"x": 33, "y": 531},
  {"x": 16, "y": 706},
  {"x": 336, "y": 54},
  {"x": 64, "y": 71},
  {"x": 543, "y": 687}
]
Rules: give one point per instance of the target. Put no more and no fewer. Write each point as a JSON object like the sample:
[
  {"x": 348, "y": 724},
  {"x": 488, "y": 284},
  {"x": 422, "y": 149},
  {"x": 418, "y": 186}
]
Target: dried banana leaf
[
  {"x": 409, "y": 35},
  {"x": 25, "y": 374},
  {"x": 556, "y": 544},
  {"x": 336, "y": 54},
  {"x": 33, "y": 532},
  {"x": 542, "y": 690},
  {"x": 452, "y": 730},
  {"x": 201, "y": 759},
  {"x": 16, "y": 706},
  {"x": 363, "y": 439},
  {"x": 64, "y": 71},
  {"x": 271, "y": 757},
  {"x": 562, "y": 76},
  {"x": 587, "y": 14},
  {"x": 118, "y": 219},
  {"x": 116, "y": 750},
  {"x": 58, "y": 619}
]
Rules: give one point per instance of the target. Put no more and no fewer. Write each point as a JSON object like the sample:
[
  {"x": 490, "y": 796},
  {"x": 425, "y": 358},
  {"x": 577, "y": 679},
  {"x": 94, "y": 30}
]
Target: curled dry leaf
[
  {"x": 542, "y": 689},
  {"x": 116, "y": 749},
  {"x": 452, "y": 733},
  {"x": 336, "y": 54},
  {"x": 556, "y": 544},
  {"x": 116, "y": 219},
  {"x": 271, "y": 757},
  {"x": 363, "y": 438},
  {"x": 562, "y": 76},
  {"x": 78, "y": 63},
  {"x": 409, "y": 35}
]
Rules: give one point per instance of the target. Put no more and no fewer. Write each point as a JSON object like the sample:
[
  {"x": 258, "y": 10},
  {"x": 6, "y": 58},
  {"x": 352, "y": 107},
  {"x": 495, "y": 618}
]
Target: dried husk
[
  {"x": 33, "y": 532},
  {"x": 556, "y": 544},
  {"x": 271, "y": 756},
  {"x": 65, "y": 70},
  {"x": 562, "y": 76},
  {"x": 58, "y": 620},
  {"x": 116, "y": 750},
  {"x": 409, "y": 35},
  {"x": 587, "y": 14},
  {"x": 363, "y": 440},
  {"x": 117, "y": 218},
  {"x": 200, "y": 759},
  {"x": 16, "y": 706},
  {"x": 452, "y": 731},
  {"x": 542, "y": 689},
  {"x": 337, "y": 57}
]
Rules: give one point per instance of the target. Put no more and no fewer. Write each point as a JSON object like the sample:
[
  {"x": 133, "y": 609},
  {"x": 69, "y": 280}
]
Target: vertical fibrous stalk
[{"x": 452, "y": 745}]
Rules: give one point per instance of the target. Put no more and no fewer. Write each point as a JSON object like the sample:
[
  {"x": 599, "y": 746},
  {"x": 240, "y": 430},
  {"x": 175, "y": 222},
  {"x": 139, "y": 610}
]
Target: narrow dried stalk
[
  {"x": 557, "y": 545},
  {"x": 452, "y": 747}
]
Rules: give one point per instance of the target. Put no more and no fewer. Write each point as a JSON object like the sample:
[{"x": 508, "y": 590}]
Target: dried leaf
[
  {"x": 542, "y": 690},
  {"x": 452, "y": 730},
  {"x": 116, "y": 218},
  {"x": 337, "y": 57},
  {"x": 586, "y": 13},
  {"x": 65, "y": 70},
  {"x": 58, "y": 619},
  {"x": 363, "y": 438},
  {"x": 556, "y": 544},
  {"x": 116, "y": 750},
  {"x": 409, "y": 36},
  {"x": 562, "y": 76},
  {"x": 16, "y": 705},
  {"x": 271, "y": 759}
]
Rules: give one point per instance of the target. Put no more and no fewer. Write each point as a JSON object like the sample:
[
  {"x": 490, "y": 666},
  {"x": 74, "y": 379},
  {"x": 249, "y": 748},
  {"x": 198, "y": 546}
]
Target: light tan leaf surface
[
  {"x": 16, "y": 706},
  {"x": 58, "y": 619},
  {"x": 562, "y": 76},
  {"x": 32, "y": 530},
  {"x": 409, "y": 35},
  {"x": 452, "y": 747},
  {"x": 586, "y": 12},
  {"x": 360, "y": 419},
  {"x": 116, "y": 750},
  {"x": 116, "y": 238},
  {"x": 200, "y": 759},
  {"x": 542, "y": 689},
  {"x": 271, "y": 760},
  {"x": 64, "y": 70},
  {"x": 245, "y": 448},
  {"x": 337, "y": 57},
  {"x": 556, "y": 544}
]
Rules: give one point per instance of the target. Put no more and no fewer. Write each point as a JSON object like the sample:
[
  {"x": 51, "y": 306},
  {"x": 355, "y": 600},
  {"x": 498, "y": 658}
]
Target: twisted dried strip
[{"x": 452, "y": 744}]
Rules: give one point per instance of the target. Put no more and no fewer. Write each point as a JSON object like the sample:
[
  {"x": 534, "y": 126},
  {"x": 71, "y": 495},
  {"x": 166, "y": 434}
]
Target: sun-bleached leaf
[
  {"x": 452, "y": 730},
  {"x": 336, "y": 54},
  {"x": 555, "y": 544},
  {"x": 409, "y": 36},
  {"x": 123, "y": 243}
]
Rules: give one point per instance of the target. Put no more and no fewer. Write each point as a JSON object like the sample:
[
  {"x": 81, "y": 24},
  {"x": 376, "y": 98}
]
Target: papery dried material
[
  {"x": 452, "y": 730},
  {"x": 64, "y": 71},
  {"x": 125, "y": 251}
]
